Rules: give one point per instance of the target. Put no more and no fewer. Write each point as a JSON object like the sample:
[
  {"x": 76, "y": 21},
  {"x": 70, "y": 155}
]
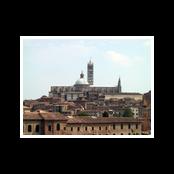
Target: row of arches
[{"x": 37, "y": 127}]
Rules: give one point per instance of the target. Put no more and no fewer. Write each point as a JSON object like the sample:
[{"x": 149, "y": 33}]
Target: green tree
[
  {"x": 128, "y": 113},
  {"x": 105, "y": 114},
  {"x": 83, "y": 114}
]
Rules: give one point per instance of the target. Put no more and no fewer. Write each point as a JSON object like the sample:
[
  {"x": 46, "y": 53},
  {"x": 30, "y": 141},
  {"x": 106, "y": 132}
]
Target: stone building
[
  {"x": 43, "y": 123},
  {"x": 125, "y": 95},
  {"x": 135, "y": 111},
  {"x": 83, "y": 88}
]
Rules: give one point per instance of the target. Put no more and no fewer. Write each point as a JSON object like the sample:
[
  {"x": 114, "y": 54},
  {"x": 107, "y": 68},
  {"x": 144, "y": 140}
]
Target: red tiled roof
[
  {"x": 100, "y": 120},
  {"x": 43, "y": 116},
  {"x": 32, "y": 116},
  {"x": 53, "y": 116}
]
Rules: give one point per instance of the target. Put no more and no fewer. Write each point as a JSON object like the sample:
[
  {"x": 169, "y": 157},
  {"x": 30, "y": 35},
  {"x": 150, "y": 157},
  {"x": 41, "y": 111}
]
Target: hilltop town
[{"x": 86, "y": 109}]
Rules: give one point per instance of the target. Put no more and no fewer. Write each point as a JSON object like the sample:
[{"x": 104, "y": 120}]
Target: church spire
[{"x": 119, "y": 85}]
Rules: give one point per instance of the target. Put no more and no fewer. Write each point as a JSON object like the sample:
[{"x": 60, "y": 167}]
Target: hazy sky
[{"x": 56, "y": 62}]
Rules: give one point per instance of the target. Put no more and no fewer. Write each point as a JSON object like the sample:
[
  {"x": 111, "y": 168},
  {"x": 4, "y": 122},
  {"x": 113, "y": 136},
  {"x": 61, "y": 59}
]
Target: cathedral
[{"x": 84, "y": 88}]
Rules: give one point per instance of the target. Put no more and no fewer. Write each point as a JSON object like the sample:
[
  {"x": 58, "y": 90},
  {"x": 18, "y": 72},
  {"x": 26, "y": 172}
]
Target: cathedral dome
[{"x": 82, "y": 80}]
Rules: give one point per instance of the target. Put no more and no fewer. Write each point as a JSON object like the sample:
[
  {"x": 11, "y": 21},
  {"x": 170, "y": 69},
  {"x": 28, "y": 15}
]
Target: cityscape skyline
[{"x": 51, "y": 62}]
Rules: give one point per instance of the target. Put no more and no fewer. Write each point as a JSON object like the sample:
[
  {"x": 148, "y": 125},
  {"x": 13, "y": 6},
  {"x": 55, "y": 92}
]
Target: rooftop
[
  {"x": 127, "y": 93},
  {"x": 88, "y": 120},
  {"x": 43, "y": 116}
]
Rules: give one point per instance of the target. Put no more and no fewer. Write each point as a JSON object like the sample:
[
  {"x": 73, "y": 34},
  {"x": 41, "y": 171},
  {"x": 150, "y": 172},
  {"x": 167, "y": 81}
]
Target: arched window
[
  {"x": 29, "y": 128},
  {"x": 58, "y": 126},
  {"x": 37, "y": 128},
  {"x": 49, "y": 127}
]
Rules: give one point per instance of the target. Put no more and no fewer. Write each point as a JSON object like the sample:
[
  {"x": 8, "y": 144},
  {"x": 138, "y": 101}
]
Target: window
[
  {"x": 121, "y": 126},
  {"x": 78, "y": 128},
  {"x": 29, "y": 128},
  {"x": 37, "y": 128},
  {"x": 106, "y": 128},
  {"x": 49, "y": 127},
  {"x": 113, "y": 126},
  {"x": 99, "y": 128},
  {"x": 58, "y": 126},
  {"x": 136, "y": 126},
  {"x": 129, "y": 126},
  {"x": 64, "y": 128},
  {"x": 92, "y": 128},
  {"x": 71, "y": 128},
  {"x": 86, "y": 128}
]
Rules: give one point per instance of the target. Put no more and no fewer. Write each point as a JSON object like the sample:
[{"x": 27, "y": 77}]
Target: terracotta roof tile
[
  {"x": 100, "y": 120},
  {"x": 43, "y": 116}
]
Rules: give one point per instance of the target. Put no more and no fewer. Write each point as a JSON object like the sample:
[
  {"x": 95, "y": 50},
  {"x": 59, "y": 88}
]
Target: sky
[{"x": 59, "y": 62}]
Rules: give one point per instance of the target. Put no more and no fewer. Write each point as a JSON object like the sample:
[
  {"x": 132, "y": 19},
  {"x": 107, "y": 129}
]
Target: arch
[
  {"x": 58, "y": 126},
  {"x": 37, "y": 128},
  {"x": 29, "y": 128}
]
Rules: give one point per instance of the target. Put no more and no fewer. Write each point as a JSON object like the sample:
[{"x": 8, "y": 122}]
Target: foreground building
[{"x": 45, "y": 123}]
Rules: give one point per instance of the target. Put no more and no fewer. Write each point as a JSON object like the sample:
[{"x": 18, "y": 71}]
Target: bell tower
[{"x": 90, "y": 73}]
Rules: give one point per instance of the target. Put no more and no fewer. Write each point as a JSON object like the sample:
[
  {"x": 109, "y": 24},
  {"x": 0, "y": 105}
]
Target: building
[
  {"x": 135, "y": 111},
  {"x": 146, "y": 113},
  {"x": 90, "y": 72},
  {"x": 43, "y": 123},
  {"x": 128, "y": 95},
  {"x": 83, "y": 88}
]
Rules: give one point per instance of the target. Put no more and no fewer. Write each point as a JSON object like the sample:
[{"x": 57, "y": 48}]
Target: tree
[
  {"x": 105, "y": 114},
  {"x": 83, "y": 114},
  {"x": 128, "y": 113}
]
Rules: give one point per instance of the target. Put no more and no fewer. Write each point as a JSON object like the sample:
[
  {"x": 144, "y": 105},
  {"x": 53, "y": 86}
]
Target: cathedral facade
[{"x": 83, "y": 88}]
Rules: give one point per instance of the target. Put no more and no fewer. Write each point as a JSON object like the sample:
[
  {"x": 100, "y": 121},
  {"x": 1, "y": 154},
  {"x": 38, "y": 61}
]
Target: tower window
[
  {"x": 121, "y": 126},
  {"x": 129, "y": 126},
  {"x": 99, "y": 128},
  {"x": 86, "y": 128},
  {"x": 113, "y": 126},
  {"x": 92, "y": 128},
  {"x": 78, "y": 128}
]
